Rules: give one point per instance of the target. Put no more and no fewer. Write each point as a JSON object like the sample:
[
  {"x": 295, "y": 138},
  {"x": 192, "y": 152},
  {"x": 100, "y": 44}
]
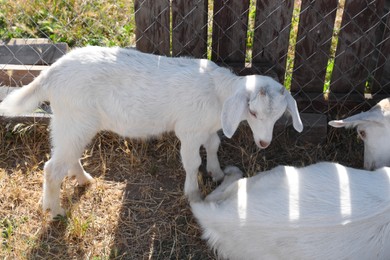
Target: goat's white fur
[
  {"x": 141, "y": 95},
  {"x": 322, "y": 211}
]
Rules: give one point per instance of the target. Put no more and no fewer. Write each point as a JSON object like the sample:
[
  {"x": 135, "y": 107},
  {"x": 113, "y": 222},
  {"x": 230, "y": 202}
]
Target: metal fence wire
[{"x": 332, "y": 55}]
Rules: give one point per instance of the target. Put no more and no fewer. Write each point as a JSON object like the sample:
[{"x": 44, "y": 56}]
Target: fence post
[
  {"x": 271, "y": 36},
  {"x": 189, "y": 28},
  {"x": 312, "y": 49},
  {"x": 152, "y": 26},
  {"x": 230, "y": 32},
  {"x": 356, "y": 44},
  {"x": 381, "y": 82}
]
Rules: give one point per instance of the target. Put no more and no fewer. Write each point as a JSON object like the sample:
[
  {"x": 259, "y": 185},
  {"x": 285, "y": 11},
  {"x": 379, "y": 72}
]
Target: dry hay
[{"x": 136, "y": 208}]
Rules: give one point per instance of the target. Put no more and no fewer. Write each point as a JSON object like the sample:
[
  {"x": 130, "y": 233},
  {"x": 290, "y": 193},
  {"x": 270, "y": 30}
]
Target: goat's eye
[
  {"x": 362, "y": 134},
  {"x": 253, "y": 113}
]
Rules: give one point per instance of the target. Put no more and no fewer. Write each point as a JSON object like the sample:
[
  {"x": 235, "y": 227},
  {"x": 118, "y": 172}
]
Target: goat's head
[
  {"x": 373, "y": 128},
  {"x": 261, "y": 101}
]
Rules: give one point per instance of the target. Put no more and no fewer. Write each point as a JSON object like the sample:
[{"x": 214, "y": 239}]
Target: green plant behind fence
[{"x": 76, "y": 22}]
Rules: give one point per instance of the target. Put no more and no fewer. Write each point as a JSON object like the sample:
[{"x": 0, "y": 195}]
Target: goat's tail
[{"x": 24, "y": 100}]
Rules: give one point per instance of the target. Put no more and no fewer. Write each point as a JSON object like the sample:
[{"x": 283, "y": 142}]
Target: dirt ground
[{"x": 135, "y": 209}]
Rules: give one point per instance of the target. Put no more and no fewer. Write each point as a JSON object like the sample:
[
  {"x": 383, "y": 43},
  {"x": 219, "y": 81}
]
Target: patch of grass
[
  {"x": 75, "y": 22},
  {"x": 7, "y": 226}
]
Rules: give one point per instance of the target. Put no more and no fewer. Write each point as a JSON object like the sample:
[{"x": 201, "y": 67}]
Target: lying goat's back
[{"x": 323, "y": 211}]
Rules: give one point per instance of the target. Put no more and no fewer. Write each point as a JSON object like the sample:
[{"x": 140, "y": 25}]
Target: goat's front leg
[
  {"x": 191, "y": 161},
  {"x": 213, "y": 167},
  {"x": 54, "y": 173}
]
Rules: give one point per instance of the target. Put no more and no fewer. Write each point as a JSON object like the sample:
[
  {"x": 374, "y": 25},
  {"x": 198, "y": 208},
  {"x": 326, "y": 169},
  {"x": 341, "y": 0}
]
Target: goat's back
[{"x": 133, "y": 93}]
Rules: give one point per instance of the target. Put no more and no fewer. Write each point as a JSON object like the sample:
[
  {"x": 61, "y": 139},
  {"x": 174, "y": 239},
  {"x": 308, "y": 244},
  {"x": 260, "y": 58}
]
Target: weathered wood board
[
  {"x": 40, "y": 118},
  {"x": 189, "y": 28},
  {"x": 230, "y": 31},
  {"x": 381, "y": 82},
  {"x": 312, "y": 49},
  {"x": 32, "y": 54},
  {"x": 356, "y": 46},
  {"x": 4, "y": 91},
  {"x": 27, "y": 41},
  {"x": 315, "y": 127},
  {"x": 152, "y": 26},
  {"x": 19, "y": 75},
  {"x": 271, "y": 36}
]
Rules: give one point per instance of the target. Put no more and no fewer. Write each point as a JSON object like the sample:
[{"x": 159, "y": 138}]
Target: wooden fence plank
[
  {"x": 34, "y": 54},
  {"x": 230, "y": 31},
  {"x": 19, "y": 75},
  {"x": 189, "y": 28},
  {"x": 271, "y": 36},
  {"x": 5, "y": 91},
  {"x": 19, "y": 41},
  {"x": 381, "y": 84},
  {"x": 356, "y": 45},
  {"x": 34, "y": 118},
  {"x": 314, "y": 128},
  {"x": 152, "y": 26},
  {"x": 312, "y": 49}
]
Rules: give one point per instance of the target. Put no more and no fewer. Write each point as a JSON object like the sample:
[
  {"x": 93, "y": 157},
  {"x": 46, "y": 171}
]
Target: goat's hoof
[
  {"x": 57, "y": 214},
  {"x": 233, "y": 170},
  {"x": 55, "y": 211},
  {"x": 217, "y": 175},
  {"x": 85, "y": 179},
  {"x": 194, "y": 196}
]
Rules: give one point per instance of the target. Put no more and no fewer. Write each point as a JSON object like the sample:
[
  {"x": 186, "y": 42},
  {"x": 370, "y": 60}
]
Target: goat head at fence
[{"x": 373, "y": 127}]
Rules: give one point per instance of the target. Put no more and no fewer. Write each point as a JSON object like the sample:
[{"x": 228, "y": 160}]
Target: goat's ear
[
  {"x": 340, "y": 123},
  {"x": 232, "y": 112},
  {"x": 292, "y": 108},
  {"x": 371, "y": 116}
]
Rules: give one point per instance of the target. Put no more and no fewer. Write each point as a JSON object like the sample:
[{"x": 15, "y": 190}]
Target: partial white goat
[
  {"x": 373, "y": 128},
  {"x": 141, "y": 95},
  {"x": 323, "y": 211}
]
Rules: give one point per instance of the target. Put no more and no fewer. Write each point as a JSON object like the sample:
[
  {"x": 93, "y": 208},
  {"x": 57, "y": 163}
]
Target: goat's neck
[{"x": 226, "y": 84}]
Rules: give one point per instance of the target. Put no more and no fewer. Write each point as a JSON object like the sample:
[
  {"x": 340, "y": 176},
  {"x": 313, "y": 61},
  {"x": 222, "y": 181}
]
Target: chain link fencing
[{"x": 332, "y": 55}]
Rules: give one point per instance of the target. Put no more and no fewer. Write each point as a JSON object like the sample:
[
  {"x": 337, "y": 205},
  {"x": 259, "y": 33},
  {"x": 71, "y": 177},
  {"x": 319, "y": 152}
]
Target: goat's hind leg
[
  {"x": 55, "y": 171},
  {"x": 68, "y": 144}
]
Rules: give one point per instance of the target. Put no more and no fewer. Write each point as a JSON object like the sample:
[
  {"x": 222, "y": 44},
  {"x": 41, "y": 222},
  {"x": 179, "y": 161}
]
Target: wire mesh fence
[{"x": 332, "y": 55}]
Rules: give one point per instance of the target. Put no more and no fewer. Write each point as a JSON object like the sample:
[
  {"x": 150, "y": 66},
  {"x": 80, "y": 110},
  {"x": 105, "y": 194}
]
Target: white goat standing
[
  {"x": 141, "y": 95},
  {"x": 323, "y": 211}
]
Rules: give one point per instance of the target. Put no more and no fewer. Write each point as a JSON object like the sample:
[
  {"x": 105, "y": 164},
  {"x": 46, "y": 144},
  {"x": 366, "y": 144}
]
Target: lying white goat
[
  {"x": 373, "y": 127},
  {"x": 140, "y": 95},
  {"x": 323, "y": 211}
]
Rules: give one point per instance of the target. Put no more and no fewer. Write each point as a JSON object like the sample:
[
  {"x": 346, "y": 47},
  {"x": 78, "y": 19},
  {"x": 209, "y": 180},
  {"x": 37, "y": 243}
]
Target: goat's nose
[{"x": 263, "y": 144}]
